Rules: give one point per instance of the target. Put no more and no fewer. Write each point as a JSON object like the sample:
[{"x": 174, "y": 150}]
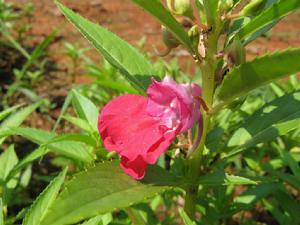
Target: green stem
[
  {"x": 194, "y": 162},
  {"x": 208, "y": 83}
]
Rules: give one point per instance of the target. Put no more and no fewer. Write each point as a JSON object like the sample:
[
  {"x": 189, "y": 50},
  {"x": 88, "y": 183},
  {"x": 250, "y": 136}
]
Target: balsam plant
[{"x": 226, "y": 150}]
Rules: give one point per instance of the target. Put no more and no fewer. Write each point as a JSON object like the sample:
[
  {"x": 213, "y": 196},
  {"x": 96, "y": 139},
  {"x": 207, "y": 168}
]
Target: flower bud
[
  {"x": 236, "y": 53},
  {"x": 168, "y": 38},
  {"x": 253, "y": 8},
  {"x": 194, "y": 35},
  {"x": 181, "y": 7}
]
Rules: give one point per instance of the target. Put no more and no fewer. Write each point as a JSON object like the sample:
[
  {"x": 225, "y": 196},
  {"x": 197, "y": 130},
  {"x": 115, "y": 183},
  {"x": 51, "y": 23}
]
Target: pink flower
[{"x": 140, "y": 129}]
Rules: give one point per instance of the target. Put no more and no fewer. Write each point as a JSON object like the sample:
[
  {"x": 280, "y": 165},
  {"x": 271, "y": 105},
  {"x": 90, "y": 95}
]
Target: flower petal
[
  {"x": 126, "y": 127},
  {"x": 135, "y": 168},
  {"x": 174, "y": 103}
]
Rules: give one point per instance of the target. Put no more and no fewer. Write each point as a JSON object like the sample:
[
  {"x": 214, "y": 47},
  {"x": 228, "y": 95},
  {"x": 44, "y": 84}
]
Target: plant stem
[
  {"x": 194, "y": 162},
  {"x": 209, "y": 67}
]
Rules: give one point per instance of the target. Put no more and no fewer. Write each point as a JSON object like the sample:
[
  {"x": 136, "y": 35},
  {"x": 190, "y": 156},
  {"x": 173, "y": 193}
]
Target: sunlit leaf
[
  {"x": 260, "y": 71},
  {"x": 85, "y": 109},
  {"x": 15, "y": 120},
  {"x": 8, "y": 111},
  {"x": 71, "y": 149},
  {"x": 81, "y": 123},
  {"x": 272, "y": 120},
  {"x": 8, "y": 160},
  {"x": 248, "y": 198},
  {"x": 41, "y": 205},
  {"x": 118, "y": 86},
  {"x": 93, "y": 221},
  {"x": 37, "y": 153},
  {"x": 104, "y": 188},
  {"x": 222, "y": 178},
  {"x": 185, "y": 218},
  {"x": 273, "y": 13},
  {"x": 132, "y": 64},
  {"x": 86, "y": 139}
]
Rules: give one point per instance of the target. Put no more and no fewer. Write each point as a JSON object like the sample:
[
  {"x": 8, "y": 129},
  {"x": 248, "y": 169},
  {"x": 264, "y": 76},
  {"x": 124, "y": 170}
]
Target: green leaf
[
  {"x": 116, "y": 85},
  {"x": 100, "y": 220},
  {"x": 38, "y": 51},
  {"x": 242, "y": 21},
  {"x": 1, "y": 212},
  {"x": 8, "y": 111},
  {"x": 156, "y": 9},
  {"x": 26, "y": 177},
  {"x": 272, "y": 120},
  {"x": 283, "y": 207},
  {"x": 273, "y": 13},
  {"x": 8, "y": 160},
  {"x": 94, "y": 221},
  {"x": 131, "y": 63},
  {"x": 185, "y": 218},
  {"x": 103, "y": 189},
  {"x": 288, "y": 178},
  {"x": 63, "y": 110},
  {"x": 70, "y": 149},
  {"x": 259, "y": 32},
  {"x": 107, "y": 219},
  {"x": 81, "y": 123},
  {"x": 86, "y": 139},
  {"x": 85, "y": 109},
  {"x": 248, "y": 198},
  {"x": 221, "y": 178},
  {"x": 280, "y": 217},
  {"x": 37, "y": 153},
  {"x": 291, "y": 162},
  {"x": 41, "y": 205},
  {"x": 145, "y": 213},
  {"x": 257, "y": 72},
  {"x": 15, "y": 120},
  {"x": 289, "y": 205}
]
